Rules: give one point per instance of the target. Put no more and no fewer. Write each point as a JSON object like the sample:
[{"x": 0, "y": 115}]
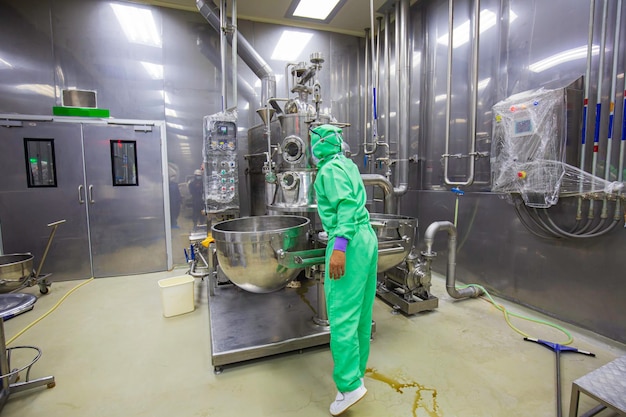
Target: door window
[
  {"x": 40, "y": 166},
  {"x": 124, "y": 162}
]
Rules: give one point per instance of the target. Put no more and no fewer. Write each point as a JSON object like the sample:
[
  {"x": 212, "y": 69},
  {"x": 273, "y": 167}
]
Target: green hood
[{"x": 326, "y": 141}]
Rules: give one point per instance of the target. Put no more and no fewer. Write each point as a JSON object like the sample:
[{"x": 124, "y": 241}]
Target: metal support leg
[
  {"x": 8, "y": 376},
  {"x": 606, "y": 385}
]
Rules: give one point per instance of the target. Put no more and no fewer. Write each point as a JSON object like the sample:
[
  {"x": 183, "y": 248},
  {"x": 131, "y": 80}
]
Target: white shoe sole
[{"x": 339, "y": 412}]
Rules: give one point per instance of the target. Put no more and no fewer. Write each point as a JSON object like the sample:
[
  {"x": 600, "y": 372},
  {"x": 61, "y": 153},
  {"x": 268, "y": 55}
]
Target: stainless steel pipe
[
  {"x": 382, "y": 182},
  {"x": 245, "y": 51},
  {"x": 429, "y": 238}
]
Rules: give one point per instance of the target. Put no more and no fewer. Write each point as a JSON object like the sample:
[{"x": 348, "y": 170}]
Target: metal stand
[
  {"x": 405, "y": 301},
  {"x": 9, "y": 384},
  {"x": 607, "y": 385},
  {"x": 558, "y": 349},
  {"x": 247, "y": 325}
]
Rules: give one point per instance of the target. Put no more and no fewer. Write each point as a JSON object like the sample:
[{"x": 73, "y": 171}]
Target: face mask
[{"x": 315, "y": 160}]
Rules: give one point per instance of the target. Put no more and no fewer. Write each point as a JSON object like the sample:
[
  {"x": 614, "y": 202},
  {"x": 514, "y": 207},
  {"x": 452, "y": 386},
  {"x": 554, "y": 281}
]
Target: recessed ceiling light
[{"x": 321, "y": 11}]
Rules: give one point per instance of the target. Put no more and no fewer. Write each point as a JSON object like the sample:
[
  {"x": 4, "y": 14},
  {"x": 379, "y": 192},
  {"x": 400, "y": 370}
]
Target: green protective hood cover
[{"x": 326, "y": 141}]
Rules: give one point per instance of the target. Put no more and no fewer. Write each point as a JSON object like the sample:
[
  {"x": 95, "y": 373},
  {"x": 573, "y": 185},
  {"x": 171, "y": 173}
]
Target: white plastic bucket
[{"x": 177, "y": 295}]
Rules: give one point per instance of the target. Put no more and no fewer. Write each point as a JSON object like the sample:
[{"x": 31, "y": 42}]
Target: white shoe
[{"x": 345, "y": 400}]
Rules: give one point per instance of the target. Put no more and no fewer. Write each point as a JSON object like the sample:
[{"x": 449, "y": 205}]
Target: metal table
[
  {"x": 607, "y": 385},
  {"x": 247, "y": 325}
]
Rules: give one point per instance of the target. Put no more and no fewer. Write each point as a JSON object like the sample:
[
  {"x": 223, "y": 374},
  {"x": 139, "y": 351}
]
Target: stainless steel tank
[
  {"x": 391, "y": 229},
  {"x": 396, "y": 238},
  {"x": 14, "y": 269},
  {"x": 246, "y": 249}
]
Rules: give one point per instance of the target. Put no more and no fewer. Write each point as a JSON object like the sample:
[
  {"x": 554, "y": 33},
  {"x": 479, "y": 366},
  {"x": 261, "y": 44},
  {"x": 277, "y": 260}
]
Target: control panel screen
[
  {"x": 522, "y": 127},
  {"x": 223, "y": 136}
]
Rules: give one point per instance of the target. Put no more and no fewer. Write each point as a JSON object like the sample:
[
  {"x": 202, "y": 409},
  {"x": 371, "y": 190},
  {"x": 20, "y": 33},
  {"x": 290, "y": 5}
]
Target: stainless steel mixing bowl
[
  {"x": 14, "y": 269},
  {"x": 246, "y": 249},
  {"x": 390, "y": 229}
]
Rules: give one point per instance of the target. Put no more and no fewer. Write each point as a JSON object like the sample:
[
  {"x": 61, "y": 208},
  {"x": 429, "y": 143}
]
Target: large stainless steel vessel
[
  {"x": 14, "y": 269},
  {"x": 396, "y": 237},
  {"x": 247, "y": 247}
]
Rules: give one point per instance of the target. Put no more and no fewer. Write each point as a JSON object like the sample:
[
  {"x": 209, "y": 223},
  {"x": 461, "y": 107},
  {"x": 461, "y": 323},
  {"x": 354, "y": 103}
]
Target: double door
[{"x": 105, "y": 180}]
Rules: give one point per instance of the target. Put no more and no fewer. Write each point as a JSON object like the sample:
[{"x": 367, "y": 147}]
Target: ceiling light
[
  {"x": 315, "y": 9},
  {"x": 290, "y": 45},
  {"x": 319, "y": 10}
]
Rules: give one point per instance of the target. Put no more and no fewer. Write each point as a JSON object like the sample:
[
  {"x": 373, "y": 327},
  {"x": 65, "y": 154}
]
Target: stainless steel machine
[
  {"x": 266, "y": 278},
  {"x": 266, "y": 271}
]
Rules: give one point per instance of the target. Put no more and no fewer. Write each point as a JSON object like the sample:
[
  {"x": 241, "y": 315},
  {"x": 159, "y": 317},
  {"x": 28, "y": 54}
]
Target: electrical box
[
  {"x": 221, "y": 171},
  {"x": 535, "y": 134}
]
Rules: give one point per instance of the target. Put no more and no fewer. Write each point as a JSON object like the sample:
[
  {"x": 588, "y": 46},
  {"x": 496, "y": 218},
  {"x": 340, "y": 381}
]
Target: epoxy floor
[{"x": 113, "y": 354}]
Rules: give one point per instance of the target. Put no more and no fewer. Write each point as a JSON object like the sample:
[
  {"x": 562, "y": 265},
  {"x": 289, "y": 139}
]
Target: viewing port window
[
  {"x": 40, "y": 164},
  {"x": 124, "y": 162}
]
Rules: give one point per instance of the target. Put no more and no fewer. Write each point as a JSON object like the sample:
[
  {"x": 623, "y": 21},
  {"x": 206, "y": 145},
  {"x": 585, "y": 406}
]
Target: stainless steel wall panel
[
  {"x": 93, "y": 50},
  {"x": 26, "y": 58},
  {"x": 576, "y": 281},
  {"x": 573, "y": 280}
]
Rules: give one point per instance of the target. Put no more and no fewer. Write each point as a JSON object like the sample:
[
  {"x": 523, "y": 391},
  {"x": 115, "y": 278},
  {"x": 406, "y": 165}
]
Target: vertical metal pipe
[
  {"x": 246, "y": 52},
  {"x": 379, "y": 20},
  {"x": 429, "y": 238},
  {"x": 446, "y": 159},
  {"x": 4, "y": 362},
  {"x": 223, "y": 44},
  {"x": 387, "y": 65},
  {"x": 402, "y": 163},
  {"x": 586, "y": 104},
  {"x": 596, "y": 134},
  {"x": 622, "y": 146},
  {"x": 473, "y": 100},
  {"x": 609, "y": 139},
  {"x": 374, "y": 77},
  {"x": 366, "y": 95},
  {"x": 233, "y": 46},
  {"x": 398, "y": 86},
  {"x": 379, "y": 25},
  {"x": 620, "y": 175}
]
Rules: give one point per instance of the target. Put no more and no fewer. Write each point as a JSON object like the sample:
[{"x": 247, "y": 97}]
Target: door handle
[
  {"x": 80, "y": 194},
  {"x": 91, "y": 200}
]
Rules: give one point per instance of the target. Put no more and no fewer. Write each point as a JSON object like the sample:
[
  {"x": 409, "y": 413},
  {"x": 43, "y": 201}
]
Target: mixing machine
[{"x": 266, "y": 271}]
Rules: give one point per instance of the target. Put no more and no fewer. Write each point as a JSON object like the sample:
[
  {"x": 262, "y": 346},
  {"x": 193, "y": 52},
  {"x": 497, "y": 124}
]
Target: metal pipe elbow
[
  {"x": 386, "y": 186},
  {"x": 429, "y": 237}
]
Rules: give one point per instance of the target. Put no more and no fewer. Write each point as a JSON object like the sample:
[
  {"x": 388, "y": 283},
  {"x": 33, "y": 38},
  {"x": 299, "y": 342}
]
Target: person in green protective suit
[{"x": 351, "y": 263}]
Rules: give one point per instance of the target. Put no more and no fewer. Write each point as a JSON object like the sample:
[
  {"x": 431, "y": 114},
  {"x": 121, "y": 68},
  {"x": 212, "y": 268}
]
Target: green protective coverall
[{"x": 341, "y": 199}]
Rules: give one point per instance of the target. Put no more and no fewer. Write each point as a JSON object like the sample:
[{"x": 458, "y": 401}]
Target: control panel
[{"x": 221, "y": 173}]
